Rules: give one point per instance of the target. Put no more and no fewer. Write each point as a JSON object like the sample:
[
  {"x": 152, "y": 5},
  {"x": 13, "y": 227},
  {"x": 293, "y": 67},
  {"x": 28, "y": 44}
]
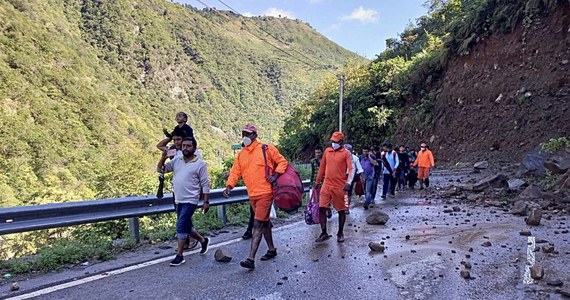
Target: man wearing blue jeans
[
  {"x": 368, "y": 162},
  {"x": 390, "y": 161},
  {"x": 190, "y": 181}
]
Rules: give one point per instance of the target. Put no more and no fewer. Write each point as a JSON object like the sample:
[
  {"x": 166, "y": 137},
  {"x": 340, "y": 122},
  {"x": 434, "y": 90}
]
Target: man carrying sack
[{"x": 250, "y": 165}]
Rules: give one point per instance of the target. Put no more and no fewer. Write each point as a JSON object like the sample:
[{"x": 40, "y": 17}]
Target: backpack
[{"x": 287, "y": 189}]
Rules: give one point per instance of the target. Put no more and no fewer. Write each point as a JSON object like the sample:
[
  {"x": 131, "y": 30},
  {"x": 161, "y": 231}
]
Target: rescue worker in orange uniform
[
  {"x": 250, "y": 165},
  {"x": 424, "y": 161},
  {"x": 336, "y": 168}
]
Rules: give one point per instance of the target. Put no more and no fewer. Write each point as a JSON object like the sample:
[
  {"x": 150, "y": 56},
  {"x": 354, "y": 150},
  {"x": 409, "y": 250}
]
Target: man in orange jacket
[
  {"x": 336, "y": 168},
  {"x": 424, "y": 161},
  {"x": 250, "y": 165}
]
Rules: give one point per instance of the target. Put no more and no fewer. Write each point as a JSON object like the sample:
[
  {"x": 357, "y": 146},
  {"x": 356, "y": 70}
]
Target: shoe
[
  {"x": 247, "y": 235},
  {"x": 269, "y": 255},
  {"x": 340, "y": 238},
  {"x": 248, "y": 264},
  {"x": 393, "y": 195},
  {"x": 421, "y": 188},
  {"x": 178, "y": 260},
  {"x": 383, "y": 197},
  {"x": 323, "y": 237},
  {"x": 365, "y": 206},
  {"x": 205, "y": 245},
  {"x": 347, "y": 212}
]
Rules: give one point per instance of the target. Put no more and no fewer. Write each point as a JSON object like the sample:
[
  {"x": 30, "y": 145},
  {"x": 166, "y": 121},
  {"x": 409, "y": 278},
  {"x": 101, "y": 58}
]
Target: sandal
[
  {"x": 269, "y": 255},
  {"x": 340, "y": 238},
  {"x": 248, "y": 264},
  {"x": 323, "y": 237}
]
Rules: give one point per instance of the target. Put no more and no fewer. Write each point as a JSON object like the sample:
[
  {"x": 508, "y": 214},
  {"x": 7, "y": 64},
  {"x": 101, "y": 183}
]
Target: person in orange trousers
[
  {"x": 336, "y": 169},
  {"x": 250, "y": 165},
  {"x": 424, "y": 161}
]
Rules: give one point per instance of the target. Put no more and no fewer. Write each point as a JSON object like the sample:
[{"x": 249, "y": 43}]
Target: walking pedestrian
[
  {"x": 357, "y": 177},
  {"x": 250, "y": 165},
  {"x": 336, "y": 169},
  {"x": 368, "y": 161},
  {"x": 390, "y": 161},
  {"x": 190, "y": 182},
  {"x": 424, "y": 161}
]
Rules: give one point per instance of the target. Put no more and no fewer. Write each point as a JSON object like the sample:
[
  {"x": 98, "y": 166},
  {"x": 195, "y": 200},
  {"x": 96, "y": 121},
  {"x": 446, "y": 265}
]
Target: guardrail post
[
  {"x": 134, "y": 229},
  {"x": 222, "y": 214}
]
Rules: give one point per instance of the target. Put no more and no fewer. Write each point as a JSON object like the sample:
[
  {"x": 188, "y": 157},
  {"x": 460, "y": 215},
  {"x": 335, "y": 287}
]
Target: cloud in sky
[
  {"x": 277, "y": 12},
  {"x": 247, "y": 14},
  {"x": 315, "y": 1},
  {"x": 361, "y": 14}
]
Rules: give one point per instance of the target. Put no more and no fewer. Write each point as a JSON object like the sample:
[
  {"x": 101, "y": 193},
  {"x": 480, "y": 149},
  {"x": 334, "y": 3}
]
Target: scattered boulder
[
  {"x": 533, "y": 163},
  {"x": 515, "y": 184},
  {"x": 564, "y": 182},
  {"x": 554, "y": 282},
  {"x": 377, "y": 218},
  {"x": 14, "y": 287},
  {"x": 534, "y": 217},
  {"x": 481, "y": 165},
  {"x": 531, "y": 192},
  {"x": 564, "y": 292},
  {"x": 221, "y": 257},
  {"x": 536, "y": 272},
  {"x": 377, "y": 247},
  {"x": 519, "y": 208},
  {"x": 486, "y": 244},
  {"x": 493, "y": 181},
  {"x": 548, "y": 249},
  {"x": 558, "y": 163},
  {"x": 456, "y": 208},
  {"x": 465, "y": 274},
  {"x": 525, "y": 233}
]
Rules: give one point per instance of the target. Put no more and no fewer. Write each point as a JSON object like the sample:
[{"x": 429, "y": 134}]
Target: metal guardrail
[{"x": 36, "y": 217}]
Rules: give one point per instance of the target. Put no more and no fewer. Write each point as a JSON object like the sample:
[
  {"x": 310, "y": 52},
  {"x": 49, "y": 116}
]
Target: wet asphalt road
[{"x": 425, "y": 266}]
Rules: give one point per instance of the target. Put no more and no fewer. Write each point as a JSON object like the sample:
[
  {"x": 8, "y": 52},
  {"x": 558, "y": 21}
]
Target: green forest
[{"x": 88, "y": 86}]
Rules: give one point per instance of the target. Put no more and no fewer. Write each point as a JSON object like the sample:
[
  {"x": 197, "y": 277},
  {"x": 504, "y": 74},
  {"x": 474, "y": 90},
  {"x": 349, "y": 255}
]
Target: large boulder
[
  {"x": 533, "y": 163},
  {"x": 564, "y": 182},
  {"x": 493, "y": 181},
  {"x": 531, "y": 192},
  {"x": 377, "y": 218}
]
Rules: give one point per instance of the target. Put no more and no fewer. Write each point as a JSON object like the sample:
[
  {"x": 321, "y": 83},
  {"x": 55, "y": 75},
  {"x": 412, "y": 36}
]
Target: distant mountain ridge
[{"x": 87, "y": 86}]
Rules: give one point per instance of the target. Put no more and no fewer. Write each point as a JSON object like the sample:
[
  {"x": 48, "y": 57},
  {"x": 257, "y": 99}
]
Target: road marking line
[
  {"x": 104, "y": 275},
  {"x": 530, "y": 260}
]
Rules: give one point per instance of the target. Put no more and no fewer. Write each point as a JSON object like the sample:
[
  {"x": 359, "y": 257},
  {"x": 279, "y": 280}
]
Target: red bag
[
  {"x": 358, "y": 188},
  {"x": 287, "y": 189}
]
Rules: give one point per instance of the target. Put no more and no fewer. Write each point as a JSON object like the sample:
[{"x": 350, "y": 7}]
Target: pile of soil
[{"x": 510, "y": 93}]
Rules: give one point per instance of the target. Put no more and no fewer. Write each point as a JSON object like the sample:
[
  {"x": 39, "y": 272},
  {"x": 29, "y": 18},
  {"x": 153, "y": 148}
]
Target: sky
[{"x": 359, "y": 26}]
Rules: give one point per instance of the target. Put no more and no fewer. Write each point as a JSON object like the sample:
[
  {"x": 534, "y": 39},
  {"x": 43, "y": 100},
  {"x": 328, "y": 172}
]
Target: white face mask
[
  {"x": 246, "y": 141},
  {"x": 335, "y": 146}
]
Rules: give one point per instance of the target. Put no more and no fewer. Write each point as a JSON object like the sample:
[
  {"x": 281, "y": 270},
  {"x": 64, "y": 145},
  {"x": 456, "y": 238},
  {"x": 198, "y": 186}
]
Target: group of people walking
[{"x": 335, "y": 170}]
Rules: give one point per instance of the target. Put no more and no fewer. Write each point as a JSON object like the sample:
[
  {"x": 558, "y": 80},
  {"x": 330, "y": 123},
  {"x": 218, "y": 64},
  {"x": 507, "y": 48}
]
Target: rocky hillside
[{"x": 509, "y": 93}]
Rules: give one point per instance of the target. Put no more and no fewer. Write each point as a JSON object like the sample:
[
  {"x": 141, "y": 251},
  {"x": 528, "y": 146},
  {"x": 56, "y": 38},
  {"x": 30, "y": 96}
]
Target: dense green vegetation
[
  {"x": 375, "y": 94},
  {"x": 87, "y": 86}
]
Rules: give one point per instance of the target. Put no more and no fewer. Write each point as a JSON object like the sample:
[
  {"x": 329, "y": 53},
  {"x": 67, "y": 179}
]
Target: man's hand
[
  {"x": 206, "y": 207},
  {"x": 347, "y": 187},
  {"x": 271, "y": 179},
  {"x": 227, "y": 191}
]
